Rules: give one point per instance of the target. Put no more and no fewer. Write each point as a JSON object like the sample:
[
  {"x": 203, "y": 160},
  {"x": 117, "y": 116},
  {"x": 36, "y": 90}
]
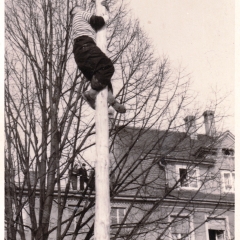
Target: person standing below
[
  {"x": 73, "y": 177},
  {"x": 91, "y": 61},
  {"x": 92, "y": 179},
  {"x": 83, "y": 176}
]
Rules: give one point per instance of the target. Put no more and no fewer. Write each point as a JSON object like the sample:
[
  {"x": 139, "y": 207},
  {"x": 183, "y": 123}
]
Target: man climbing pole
[
  {"x": 89, "y": 34},
  {"x": 92, "y": 62}
]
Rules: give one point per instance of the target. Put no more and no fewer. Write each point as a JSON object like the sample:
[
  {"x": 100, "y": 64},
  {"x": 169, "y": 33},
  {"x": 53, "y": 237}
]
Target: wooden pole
[{"x": 102, "y": 207}]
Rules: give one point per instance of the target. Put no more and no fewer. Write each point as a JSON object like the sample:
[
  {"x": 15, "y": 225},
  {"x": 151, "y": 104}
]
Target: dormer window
[
  {"x": 188, "y": 178},
  {"x": 228, "y": 152},
  {"x": 228, "y": 181}
]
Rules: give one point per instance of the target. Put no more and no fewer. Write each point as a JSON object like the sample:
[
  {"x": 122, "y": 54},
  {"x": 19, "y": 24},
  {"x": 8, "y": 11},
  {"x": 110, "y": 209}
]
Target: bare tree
[{"x": 49, "y": 128}]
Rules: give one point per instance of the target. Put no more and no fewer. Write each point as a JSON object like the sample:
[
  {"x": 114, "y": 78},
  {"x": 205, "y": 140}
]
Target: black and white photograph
[{"x": 119, "y": 120}]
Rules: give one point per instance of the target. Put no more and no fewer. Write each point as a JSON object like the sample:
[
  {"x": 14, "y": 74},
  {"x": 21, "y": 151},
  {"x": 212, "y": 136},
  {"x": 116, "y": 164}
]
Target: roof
[
  {"x": 144, "y": 152},
  {"x": 167, "y": 143}
]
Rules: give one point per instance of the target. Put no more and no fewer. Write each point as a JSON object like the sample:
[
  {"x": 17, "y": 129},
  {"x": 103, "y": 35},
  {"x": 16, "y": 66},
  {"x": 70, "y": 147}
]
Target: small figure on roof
[
  {"x": 83, "y": 176},
  {"x": 92, "y": 179},
  {"x": 73, "y": 176},
  {"x": 91, "y": 61}
]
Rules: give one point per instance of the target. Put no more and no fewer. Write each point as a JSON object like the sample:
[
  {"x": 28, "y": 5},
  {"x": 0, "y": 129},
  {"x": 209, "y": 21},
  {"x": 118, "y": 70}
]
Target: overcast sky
[{"x": 199, "y": 35}]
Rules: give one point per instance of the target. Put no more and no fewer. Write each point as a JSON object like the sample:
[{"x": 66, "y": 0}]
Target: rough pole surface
[{"x": 102, "y": 208}]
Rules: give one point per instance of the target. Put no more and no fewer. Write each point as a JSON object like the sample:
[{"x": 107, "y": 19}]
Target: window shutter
[
  {"x": 121, "y": 214},
  {"x": 114, "y": 215},
  {"x": 193, "y": 179}
]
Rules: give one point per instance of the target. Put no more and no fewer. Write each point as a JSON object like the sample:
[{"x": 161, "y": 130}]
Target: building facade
[
  {"x": 187, "y": 185},
  {"x": 164, "y": 185}
]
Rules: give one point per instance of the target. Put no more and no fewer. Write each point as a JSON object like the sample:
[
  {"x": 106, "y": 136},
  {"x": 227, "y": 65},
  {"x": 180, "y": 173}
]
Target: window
[
  {"x": 188, "y": 178},
  {"x": 176, "y": 236},
  {"x": 180, "y": 227},
  {"x": 228, "y": 180},
  {"x": 32, "y": 177},
  {"x": 217, "y": 228},
  {"x": 26, "y": 218},
  {"x": 228, "y": 152},
  {"x": 117, "y": 215},
  {"x": 216, "y": 234},
  {"x": 71, "y": 211}
]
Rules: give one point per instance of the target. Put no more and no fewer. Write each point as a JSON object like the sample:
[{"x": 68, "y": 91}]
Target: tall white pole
[{"x": 102, "y": 207}]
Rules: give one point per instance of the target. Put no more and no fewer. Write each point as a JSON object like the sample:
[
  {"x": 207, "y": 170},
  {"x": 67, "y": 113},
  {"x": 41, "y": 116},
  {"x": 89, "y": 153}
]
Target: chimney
[
  {"x": 209, "y": 123},
  {"x": 190, "y": 125}
]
